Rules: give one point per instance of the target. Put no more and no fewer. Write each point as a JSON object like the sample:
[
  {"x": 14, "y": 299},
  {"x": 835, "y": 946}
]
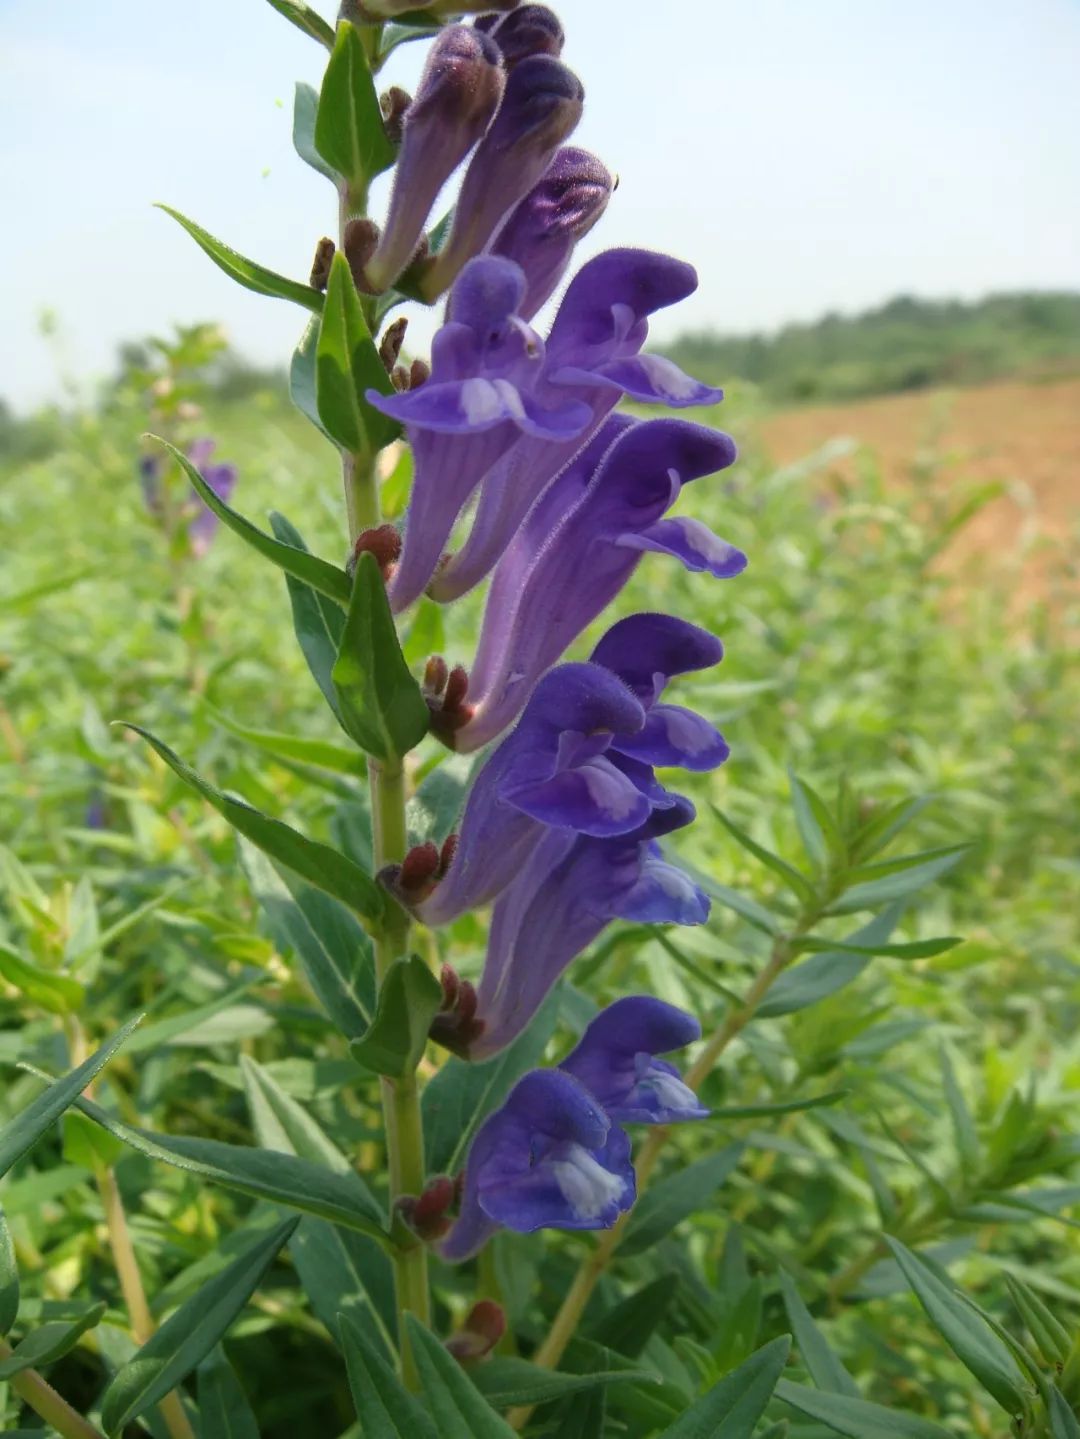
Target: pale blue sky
[{"x": 805, "y": 154}]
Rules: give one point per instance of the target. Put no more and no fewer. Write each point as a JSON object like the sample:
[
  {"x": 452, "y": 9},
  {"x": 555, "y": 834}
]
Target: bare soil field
[{"x": 1023, "y": 435}]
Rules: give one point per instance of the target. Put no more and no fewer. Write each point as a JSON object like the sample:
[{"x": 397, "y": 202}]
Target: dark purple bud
[
  {"x": 528, "y": 30},
  {"x": 320, "y": 265},
  {"x": 383, "y": 542},
  {"x": 390, "y": 344},
  {"x": 428, "y": 1215},
  {"x": 457, "y": 96},
  {"x": 540, "y": 234},
  {"x": 483, "y": 1328},
  {"x": 540, "y": 107},
  {"x": 419, "y": 870}
]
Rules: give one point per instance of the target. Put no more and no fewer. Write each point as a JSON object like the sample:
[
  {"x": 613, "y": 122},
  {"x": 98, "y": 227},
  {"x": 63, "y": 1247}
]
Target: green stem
[{"x": 43, "y": 1399}]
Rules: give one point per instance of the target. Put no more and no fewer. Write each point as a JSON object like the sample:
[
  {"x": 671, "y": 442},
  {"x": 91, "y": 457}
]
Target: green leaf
[
  {"x": 409, "y": 999},
  {"x": 459, "y": 1409},
  {"x": 347, "y": 365},
  {"x": 302, "y": 376},
  {"x": 963, "y": 1122},
  {"x": 260, "y": 1173},
  {"x": 883, "y": 827},
  {"x": 305, "y": 108},
  {"x": 969, "y": 1337},
  {"x": 224, "y": 1412},
  {"x": 508, "y": 1381},
  {"x": 9, "y": 1278},
  {"x": 385, "y": 1407},
  {"x": 798, "y": 883},
  {"x": 246, "y": 272},
  {"x": 857, "y": 1418},
  {"x": 316, "y": 863},
  {"x": 27, "y": 1128},
  {"x": 349, "y": 131},
  {"x": 188, "y": 1336},
  {"x": 306, "y": 19},
  {"x": 905, "y": 949},
  {"x": 823, "y": 974},
  {"x": 1063, "y": 1424},
  {"x": 433, "y": 810},
  {"x": 732, "y": 1408},
  {"x": 818, "y": 830},
  {"x": 755, "y": 914},
  {"x": 1051, "y": 1337},
  {"x": 298, "y": 562},
  {"x": 318, "y": 623},
  {"x": 790, "y": 1106},
  {"x": 334, "y": 951},
  {"x": 899, "y": 882},
  {"x": 627, "y": 1327},
  {"x": 54, "y": 992},
  {"x": 379, "y": 702},
  {"x": 87, "y": 1145},
  {"x": 823, "y": 1366},
  {"x": 50, "y": 1342},
  {"x": 427, "y": 634},
  {"x": 297, "y": 748},
  {"x": 676, "y": 1197},
  {"x": 461, "y": 1095}
]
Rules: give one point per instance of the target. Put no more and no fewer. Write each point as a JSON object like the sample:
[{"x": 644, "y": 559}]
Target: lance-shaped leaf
[
  {"x": 379, "y": 701},
  {"x": 307, "y": 20},
  {"x": 1052, "y": 1339},
  {"x": 823, "y": 1366},
  {"x": 27, "y": 1128},
  {"x": 260, "y": 1173},
  {"x": 246, "y": 272},
  {"x": 802, "y": 887},
  {"x": 459, "y": 1409},
  {"x": 675, "y": 1198},
  {"x": 857, "y": 1418},
  {"x": 1063, "y": 1422},
  {"x": 349, "y": 130},
  {"x": 409, "y": 1000},
  {"x": 189, "y": 1335},
  {"x": 732, "y": 1408},
  {"x": 347, "y": 365},
  {"x": 9, "y": 1277},
  {"x": 305, "y": 108},
  {"x": 506, "y": 1381},
  {"x": 50, "y": 1342},
  {"x": 317, "y": 620},
  {"x": 320, "y": 865},
  {"x": 302, "y": 377},
  {"x": 58, "y": 993},
  {"x": 897, "y": 878},
  {"x": 328, "y": 579},
  {"x": 387, "y": 1408},
  {"x": 224, "y": 1412}
]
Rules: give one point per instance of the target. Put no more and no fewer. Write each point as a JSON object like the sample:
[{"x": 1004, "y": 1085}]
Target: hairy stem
[{"x": 43, "y": 1399}]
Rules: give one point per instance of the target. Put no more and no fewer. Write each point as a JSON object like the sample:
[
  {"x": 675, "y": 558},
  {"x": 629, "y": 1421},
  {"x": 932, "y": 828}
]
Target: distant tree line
[{"x": 907, "y": 344}]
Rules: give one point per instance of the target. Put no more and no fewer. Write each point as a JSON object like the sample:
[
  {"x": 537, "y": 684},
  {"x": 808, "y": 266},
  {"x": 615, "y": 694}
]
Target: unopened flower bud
[
  {"x": 484, "y": 1326},
  {"x": 541, "y": 105},
  {"x": 455, "y": 100},
  {"x": 428, "y": 1214},
  {"x": 383, "y": 542},
  {"x": 528, "y": 30},
  {"x": 390, "y": 344},
  {"x": 320, "y": 266},
  {"x": 456, "y": 1026},
  {"x": 419, "y": 868},
  {"x": 359, "y": 241}
]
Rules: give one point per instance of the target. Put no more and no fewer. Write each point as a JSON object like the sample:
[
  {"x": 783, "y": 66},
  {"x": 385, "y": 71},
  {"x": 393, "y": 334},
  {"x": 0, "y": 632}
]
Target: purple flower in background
[
  {"x": 577, "y": 548},
  {"x": 458, "y": 94},
  {"x": 222, "y": 480},
  {"x": 549, "y": 1158},
  {"x": 551, "y": 771},
  {"x": 569, "y": 889},
  {"x": 540, "y": 106},
  {"x": 540, "y": 234},
  {"x": 593, "y": 353},
  {"x": 616, "y": 1060}
]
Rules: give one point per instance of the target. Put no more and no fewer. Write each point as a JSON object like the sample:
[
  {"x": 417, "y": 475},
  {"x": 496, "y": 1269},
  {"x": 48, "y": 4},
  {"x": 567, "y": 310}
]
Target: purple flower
[
  {"x": 616, "y": 1060},
  {"x": 458, "y": 94},
  {"x": 540, "y": 106},
  {"x": 221, "y": 479},
  {"x": 549, "y": 1158},
  {"x": 577, "y": 548},
  {"x": 528, "y": 30},
  {"x": 478, "y": 400},
  {"x": 551, "y": 772},
  {"x": 568, "y": 890},
  {"x": 592, "y": 353},
  {"x": 541, "y": 232}
]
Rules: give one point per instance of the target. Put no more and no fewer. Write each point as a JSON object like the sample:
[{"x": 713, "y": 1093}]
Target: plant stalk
[{"x": 43, "y": 1399}]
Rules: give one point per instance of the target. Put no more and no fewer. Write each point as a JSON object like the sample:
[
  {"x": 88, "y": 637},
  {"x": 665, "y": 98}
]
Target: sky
[{"x": 806, "y": 155}]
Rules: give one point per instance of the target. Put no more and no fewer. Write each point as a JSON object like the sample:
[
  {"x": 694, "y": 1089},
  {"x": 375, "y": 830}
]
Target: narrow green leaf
[
  {"x": 857, "y": 1418},
  {"x": 823, "y": 974},
  {"x": 676, "y": 1197},
  {"x": 298, "y": 748},
  {"x": 305, "y": 108},
  {"x": 963, "y": 1122},
  {"x": 901, "y": 862},
  {"x": 823, "y": 1366},
  {"x": 1051, "y": 1337},
  {"x": 461, "y": 1095},
  {"x": 882, "y": 828},
  {"x": 1063, "y": 1423},
  {"x": 508, "y": 1381},
  {"x": 459, "y": 1409},
  {"x": 627, "y": 1327},
  {"x": 821, "y": 839},
  {"x": 379, "y": 701},
  {"x": 802, "y": 887},
  {"x": 246, "y": 272},
  {"x": 316, "y": 863},
  {"x": 898, "y": 883},
  {"x": 300, "y": 563},
  {"x": 307, "y": 20},
  {"x": 749, "y": 909},
  {"x": 260, "y": 1173},
  {"x": 349, "y": 131},
  {"x": 49, "y": 1343},
  {"x": 302, "y": 376},
  {"x": 409, "y": 999},
  {"x": 732, "y": 1408},
  {"x": 971, "y": 1340},
  {"x": 224, "y": 1412},
  {"x": 347, "y": 365},
  {"x": 905, "y": 949},
  {"x": 188, "y": 1336},
  {"x": 384, "y": 1406},
  {"x": 54, "y": 992},
  {"x": 790, "y": 1106},
  {"x": 317, "y": 621},
  {"x": 27, "y": 1128},
  {"x": 9, "y": 1277}
]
